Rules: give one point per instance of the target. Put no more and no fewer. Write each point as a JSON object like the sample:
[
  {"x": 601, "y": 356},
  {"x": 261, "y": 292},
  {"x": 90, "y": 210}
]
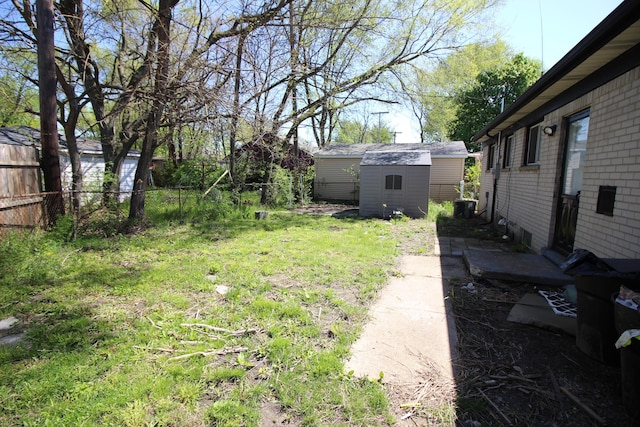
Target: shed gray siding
[{"x": 413, "y": 197}]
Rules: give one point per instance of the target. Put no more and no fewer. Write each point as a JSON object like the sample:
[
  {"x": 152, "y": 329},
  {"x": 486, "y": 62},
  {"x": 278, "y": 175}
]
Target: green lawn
[{"x": 193, "y": 324}]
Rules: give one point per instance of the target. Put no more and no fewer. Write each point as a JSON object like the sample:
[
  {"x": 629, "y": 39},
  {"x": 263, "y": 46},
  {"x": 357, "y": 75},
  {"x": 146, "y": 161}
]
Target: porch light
[{"x": 549, "y": 130}]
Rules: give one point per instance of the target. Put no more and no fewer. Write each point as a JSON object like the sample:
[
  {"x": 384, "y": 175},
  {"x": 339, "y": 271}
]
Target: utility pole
[
  {"x": 380, "y": 113},
  {"x": 50, "y": 162}
]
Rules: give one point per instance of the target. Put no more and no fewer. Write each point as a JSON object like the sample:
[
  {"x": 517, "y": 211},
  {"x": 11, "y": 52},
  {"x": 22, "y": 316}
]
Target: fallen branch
[
  {"x": 222, "y": 330},
  {"x": 410, "y": 405},
  {"x": 556, "y": 386},
  {"x": 166, "y": 350},
  {"x": 211, "y": 353},
  {"x": 494, "y": 406},
  {"x": 153, "y": 323},
  {"x": 601, "y": 421},
  {"x": 480, "y": 323}
]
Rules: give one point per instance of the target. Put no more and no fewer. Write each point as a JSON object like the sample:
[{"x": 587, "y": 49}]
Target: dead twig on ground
[
  {"x": 601, "y": 421},
  {"x": 222, "y": 330},
  {"x": 495, "y": 407},
  {"x": 208, "y": 353},
  {"x": 165, "y": 350},
  {"x": 153, "y": 323}
]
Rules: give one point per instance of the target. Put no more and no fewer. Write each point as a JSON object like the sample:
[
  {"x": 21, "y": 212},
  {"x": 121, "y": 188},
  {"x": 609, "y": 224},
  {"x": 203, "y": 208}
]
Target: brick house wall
[{"x": 527, "y": 196}]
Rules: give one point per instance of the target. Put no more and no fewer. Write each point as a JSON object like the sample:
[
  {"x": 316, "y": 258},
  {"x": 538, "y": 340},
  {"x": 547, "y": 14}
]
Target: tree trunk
[
  {"x": 48, "y": 111},
  {"x": 236, "y": 114},
  {"x": 69, "y": 122},
  {"x": 162, "y": 28}
]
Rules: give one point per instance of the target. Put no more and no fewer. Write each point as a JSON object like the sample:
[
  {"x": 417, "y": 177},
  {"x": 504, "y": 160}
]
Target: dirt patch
[
  {"x": 520, "y": 374},
  {"x": 335, "y": 209}
]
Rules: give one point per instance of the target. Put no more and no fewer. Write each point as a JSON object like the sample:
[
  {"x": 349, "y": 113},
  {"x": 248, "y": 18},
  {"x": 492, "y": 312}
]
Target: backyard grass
[{"x": 200, "y": 323}]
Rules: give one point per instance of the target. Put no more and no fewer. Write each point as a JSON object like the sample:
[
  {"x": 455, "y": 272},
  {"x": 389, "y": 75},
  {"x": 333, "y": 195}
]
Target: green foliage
[
  {"x": 439, "y": 210},
  {"x": 479, "y": 104},
  {"x": 472, "y": 175},
  {"x": 16, "y": 96},
  {"x": 353, "y": 132},
  {"x": 191, "y": 173},
  {"x": 436, "y": 89}
]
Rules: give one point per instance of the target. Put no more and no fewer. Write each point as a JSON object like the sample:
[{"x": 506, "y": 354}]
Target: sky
[{"x": 546, "y": 36}]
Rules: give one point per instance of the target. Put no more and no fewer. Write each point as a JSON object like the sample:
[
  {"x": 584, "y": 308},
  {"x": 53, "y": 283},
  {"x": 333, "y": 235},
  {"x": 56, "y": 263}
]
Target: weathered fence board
[{"x": 20, "y": 201}]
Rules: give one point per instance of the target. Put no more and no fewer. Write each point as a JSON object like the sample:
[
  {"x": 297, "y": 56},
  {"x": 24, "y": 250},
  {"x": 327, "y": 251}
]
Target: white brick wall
[{"x": 528, "y": 196}]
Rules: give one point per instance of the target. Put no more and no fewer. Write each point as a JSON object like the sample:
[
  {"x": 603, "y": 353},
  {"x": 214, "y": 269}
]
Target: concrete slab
[
  {"x": 530, "y": 268},
  {"x": 8, "y": 325},
  {"x": 533, "y": 309},
  {"x": 12, "y": 339},
  {"x": 410, "y": 322}
]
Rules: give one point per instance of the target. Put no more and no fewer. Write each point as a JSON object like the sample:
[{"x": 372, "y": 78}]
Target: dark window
[
  {"x": 508, "y": 148},
  {"x": 606, "y": 200},
  {"x": 491, "y": 158},
  {"x": 393, "y": 182},
  {"x": 533, "y": 145}
]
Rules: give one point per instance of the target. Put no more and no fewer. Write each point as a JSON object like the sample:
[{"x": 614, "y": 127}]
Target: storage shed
[
  {"x": 338, "y": 168},
  {"x": 395, "y": 181}
]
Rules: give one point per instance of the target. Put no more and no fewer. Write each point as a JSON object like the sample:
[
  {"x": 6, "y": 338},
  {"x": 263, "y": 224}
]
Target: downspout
[{"x": 496, "y": 173}]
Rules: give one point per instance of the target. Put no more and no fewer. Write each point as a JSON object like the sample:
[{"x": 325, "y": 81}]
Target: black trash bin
[{"x": 596, "y": 281}]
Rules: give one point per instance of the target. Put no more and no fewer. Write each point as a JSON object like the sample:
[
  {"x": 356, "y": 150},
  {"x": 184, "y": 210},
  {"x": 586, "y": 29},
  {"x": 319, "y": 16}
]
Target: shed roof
[
  {"x": 405, "y": 158},
  {"x": 443, "y": 149},
  {"x": 28, "y": 136}
]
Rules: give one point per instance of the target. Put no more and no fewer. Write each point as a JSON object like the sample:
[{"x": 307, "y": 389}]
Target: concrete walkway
[
  {"x": 412, "y": 327},
  {"x": 455, "y": 246},
  {"x": 411, "y": 336}
]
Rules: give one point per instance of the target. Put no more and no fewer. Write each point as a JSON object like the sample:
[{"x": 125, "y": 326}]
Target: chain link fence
[{"x": 37, "y": 210}]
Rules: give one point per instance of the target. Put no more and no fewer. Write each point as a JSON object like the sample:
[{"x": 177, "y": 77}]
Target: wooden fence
[{"x": 21, "y": 204}]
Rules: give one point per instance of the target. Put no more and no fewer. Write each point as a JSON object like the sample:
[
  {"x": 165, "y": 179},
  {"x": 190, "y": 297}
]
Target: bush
[{"x": 438, "y": 210}]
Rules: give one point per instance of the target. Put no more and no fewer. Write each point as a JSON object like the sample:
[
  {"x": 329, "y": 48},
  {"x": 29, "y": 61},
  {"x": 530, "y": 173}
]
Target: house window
[
  {"x": 393, "y": 182},
  {"x": 533, "y": 145},
  {"x": 508, "y": 147},
  {"x": 491, "y": 158}
]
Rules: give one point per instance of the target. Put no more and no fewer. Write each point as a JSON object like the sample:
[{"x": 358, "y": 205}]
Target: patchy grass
[{"x": 193, "y": 324}]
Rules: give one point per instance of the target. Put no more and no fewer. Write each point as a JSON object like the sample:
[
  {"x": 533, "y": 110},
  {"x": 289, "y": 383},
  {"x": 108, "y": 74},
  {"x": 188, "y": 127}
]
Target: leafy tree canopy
[
  {"x": 493, "y": 91},
  {"x": 432, "y": 91},
  {"x": 354, "y": 132}
]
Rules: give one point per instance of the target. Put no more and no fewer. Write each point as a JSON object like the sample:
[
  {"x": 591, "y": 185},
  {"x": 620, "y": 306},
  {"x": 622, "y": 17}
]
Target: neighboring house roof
[
  {"x": 444, "y": 149},
  {"x": 21, "y": 135},
  {"x": 614, "y": 43},
  {"x": 405, "y": 158},
  {"x": 27, "y": 136}
]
